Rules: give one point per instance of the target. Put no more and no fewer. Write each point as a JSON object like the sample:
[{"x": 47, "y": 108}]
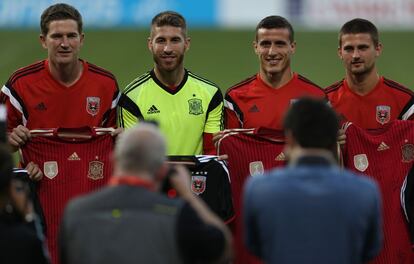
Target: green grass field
[{"x": 225, "y": 57}]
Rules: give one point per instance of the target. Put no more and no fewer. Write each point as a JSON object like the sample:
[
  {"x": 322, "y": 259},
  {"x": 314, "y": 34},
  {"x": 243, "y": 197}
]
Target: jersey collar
[{"x": 166, "y": 88}]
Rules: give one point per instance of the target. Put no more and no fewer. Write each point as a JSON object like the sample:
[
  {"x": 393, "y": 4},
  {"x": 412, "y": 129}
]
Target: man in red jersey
[
  {"x": 262, "y": 100},
  {"x": 60, "y": 91},
  {"x": 63, "y": 90},
  {"x": 363, "y": 96}
]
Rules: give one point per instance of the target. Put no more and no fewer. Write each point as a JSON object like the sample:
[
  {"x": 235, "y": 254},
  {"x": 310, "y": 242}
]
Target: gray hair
[{"x": 140, "y": 149}]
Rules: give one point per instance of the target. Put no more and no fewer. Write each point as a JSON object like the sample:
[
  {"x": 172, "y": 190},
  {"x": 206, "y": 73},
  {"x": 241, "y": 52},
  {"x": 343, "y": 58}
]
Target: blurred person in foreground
[
  {"x": 364, "y": 97},
  {"x": 312, "y": 211},
  {"x": 20, "y": 241},
  {"x": 188, "y": 107},
  {"x": 131, "y": 222}
]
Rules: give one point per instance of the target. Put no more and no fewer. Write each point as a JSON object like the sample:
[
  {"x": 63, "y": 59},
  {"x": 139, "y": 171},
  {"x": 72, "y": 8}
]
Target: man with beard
[
  {"x": 187, "y": 107},
  {"x": 363, "y": 96}
]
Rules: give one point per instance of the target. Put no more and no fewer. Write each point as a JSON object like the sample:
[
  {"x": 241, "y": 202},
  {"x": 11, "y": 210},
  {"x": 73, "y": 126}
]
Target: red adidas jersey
[
  {"x": 386, "y": 155},
  {"x": 35, "y": 99},
  {"x": 386, "y": 102},
  {"x": 71, "y": 166},
  {"x": 249, "y": 152},
  {"x": 252, "y": 103}
]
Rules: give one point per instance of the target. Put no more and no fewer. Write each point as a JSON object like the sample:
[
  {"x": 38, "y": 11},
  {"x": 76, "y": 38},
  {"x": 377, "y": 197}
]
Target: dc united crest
[
  {"x": 92, "y": 105},
  {"x": 198, "y": 184},
  {"x": 383, "y": 114},
  {"x": 95, "y": 171},
  {"x": 195, "y": 106}
]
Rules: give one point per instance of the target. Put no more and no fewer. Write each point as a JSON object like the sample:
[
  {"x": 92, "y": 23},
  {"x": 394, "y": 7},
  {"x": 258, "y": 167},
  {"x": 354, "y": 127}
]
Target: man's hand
[
  {"x": 35, "y": 174},
  {"x": 117, "y": 131},
  {"x": 19, "y": 136},
  {"x": 180, "y": 181},
  {"x": 216, "y": 137},
  {"x": 341, "y": 137}
]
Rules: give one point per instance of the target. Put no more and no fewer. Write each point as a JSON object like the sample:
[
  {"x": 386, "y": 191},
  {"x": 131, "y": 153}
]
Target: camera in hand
[{"x": 166, "y": 186}]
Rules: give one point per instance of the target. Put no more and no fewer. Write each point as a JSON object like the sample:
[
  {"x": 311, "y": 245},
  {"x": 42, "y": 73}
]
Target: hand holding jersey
[{"x": 19, "y": 136}]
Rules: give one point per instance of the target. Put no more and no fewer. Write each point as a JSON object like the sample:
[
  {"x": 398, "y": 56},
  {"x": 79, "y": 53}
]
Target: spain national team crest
[
  {"x": 383, "y": 114},
  {"x": 361, "y": 162},
  {"x": 95, "y": 171},
  {"x": 50, "y": 169},
  {"x": 195, "y": 106},
  {"x": 256, "y": 168},
  {"x": 407, "y": 151},
  {"x": 92, "y": 105},
  {"x": 198, "y": 184}
]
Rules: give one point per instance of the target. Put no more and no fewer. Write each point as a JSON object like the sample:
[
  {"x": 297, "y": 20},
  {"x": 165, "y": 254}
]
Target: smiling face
[
  {"x": 358, "y": 53},
  {"x": 63, "y": 41},
  {"x": 274, "y": 49},
  {"x": 168, "y": 45}
]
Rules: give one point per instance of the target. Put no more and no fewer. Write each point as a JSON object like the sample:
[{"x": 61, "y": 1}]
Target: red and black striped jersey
[
  {"x": 36, "y": 100},
  {"x": 250, "y": 152},
  {"x": 385, "y": 155},
  {"x": 210, "y": 180},
  {"x": 252, "y": 103},
  {"x": 73, "y": 162},
  {"x": 386, "y": 102}
]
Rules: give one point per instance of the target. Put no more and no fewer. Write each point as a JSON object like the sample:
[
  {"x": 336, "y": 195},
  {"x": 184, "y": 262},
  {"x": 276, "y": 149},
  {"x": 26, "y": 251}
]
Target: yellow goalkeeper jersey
[{"x": 183, "y": 114}]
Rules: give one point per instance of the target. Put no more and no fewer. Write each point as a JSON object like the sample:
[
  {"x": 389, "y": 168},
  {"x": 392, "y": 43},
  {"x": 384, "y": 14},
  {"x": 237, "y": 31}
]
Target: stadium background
[{"x": 222, "y": 32}]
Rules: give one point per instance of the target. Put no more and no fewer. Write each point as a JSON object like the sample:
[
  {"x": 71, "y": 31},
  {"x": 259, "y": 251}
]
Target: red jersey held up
[
  {"x": 252, "y": 103},
  {"x": 36, "y": 100},
  {"x": 73, "y": 164},
  {"x": 385, "y": 155},
  {"x": 386, "y": 102},
  {"x": 250, "y": 152}
]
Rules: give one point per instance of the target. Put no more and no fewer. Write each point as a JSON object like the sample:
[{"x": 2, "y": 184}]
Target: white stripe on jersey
[
  {"x": 14, "y": 102},
  {"x": 402, "y": 198},
  {"x": 207, "y": 158},
  {"x": 408, "y": 113},
  {"x": 115, "y": 101},
  {"x": 228, "y": 105}
]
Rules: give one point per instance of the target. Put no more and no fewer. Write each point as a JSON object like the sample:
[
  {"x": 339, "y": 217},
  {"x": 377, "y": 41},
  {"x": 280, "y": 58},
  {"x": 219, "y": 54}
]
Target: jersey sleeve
[
  {"x": 214, "y": 122},
  {"x": 128, "y": 112},
  {"x": 408, "y": 112},
  {"x": 109, "y": 118},
  {"x": 232, "y": 114},
  {"x": 14, "y": 106}
]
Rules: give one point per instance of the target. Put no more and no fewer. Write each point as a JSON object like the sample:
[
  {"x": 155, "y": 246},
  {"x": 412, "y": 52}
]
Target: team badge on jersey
[
  {"x": 407, "y": 151},
  {"x": 383, "y": 114},
  {"x": 198, "y": 184},
  {"x": 256, "y": 168},
  {"x": 50, "y": 169},
  {"x": 195, "y": 106},
  {"x": 361, "y": 162},
  {"x": 92, "y": 105},
  {"x": 95, "y": 171}
]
